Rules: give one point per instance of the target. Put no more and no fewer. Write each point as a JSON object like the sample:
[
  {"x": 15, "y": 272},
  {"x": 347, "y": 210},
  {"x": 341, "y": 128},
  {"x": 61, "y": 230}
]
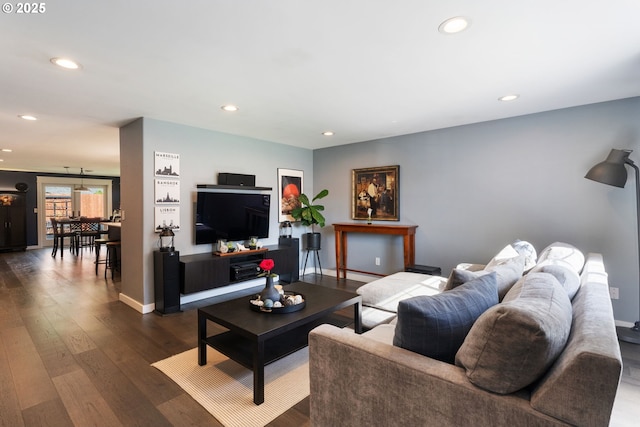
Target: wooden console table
[{"x": 342, "y": 229}]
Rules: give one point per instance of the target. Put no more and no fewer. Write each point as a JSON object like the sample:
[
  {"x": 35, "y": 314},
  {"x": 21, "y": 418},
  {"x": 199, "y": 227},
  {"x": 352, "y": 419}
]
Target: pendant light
[{"x": 82, "y": 187}]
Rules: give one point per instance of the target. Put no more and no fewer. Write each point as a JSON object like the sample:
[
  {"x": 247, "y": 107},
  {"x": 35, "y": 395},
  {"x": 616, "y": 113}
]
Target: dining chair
[
  {"x": 90, "y": 230},
  {"x": 59, "y": 234}
]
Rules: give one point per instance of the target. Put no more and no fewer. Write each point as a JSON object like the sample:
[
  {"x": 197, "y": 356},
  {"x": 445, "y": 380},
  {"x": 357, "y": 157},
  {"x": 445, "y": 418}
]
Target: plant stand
[{"x": 317, "y": 257}]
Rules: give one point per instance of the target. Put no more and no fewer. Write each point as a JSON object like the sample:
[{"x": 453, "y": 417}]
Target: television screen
[{"x": 231, "y": 216}]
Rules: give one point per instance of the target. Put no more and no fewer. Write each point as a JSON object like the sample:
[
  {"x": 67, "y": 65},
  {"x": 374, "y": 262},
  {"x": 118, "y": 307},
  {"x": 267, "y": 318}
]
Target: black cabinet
[
  {"x": 201, "y": 272},
  {"x": 13, "y": 221}
]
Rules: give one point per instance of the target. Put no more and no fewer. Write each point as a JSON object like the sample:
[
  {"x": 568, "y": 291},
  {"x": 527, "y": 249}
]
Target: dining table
[{"x": 80, "y": 229}]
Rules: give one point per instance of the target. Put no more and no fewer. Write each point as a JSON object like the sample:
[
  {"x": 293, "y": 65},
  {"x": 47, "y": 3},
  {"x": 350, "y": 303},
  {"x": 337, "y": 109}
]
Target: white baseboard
[{"x": 137, "y": 306}]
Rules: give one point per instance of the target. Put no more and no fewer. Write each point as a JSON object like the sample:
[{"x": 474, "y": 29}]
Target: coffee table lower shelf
[{"x": 255, "y": 339}]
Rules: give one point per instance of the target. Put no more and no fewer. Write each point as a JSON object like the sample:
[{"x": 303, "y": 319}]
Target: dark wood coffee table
[{"x": 256, "y": 339}]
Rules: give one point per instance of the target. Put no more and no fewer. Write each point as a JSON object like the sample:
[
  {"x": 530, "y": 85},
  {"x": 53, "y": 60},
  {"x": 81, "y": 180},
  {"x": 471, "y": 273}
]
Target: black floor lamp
[{"x": 613, "y": 172}]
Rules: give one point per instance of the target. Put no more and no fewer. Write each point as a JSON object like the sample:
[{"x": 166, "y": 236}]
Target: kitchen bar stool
[
  {"x": 112, "y": 261},
  {"x": 97, "y": 246}
]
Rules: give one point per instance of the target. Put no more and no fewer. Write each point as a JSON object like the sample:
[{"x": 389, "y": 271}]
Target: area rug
[{"x": 225, "y": 388}]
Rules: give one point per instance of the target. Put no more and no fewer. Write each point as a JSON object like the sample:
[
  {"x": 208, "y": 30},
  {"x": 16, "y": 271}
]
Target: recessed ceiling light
[
  {"x": 7, "y": 150},
  {"x": 327, "y": 133},
  {"x": 65, "y": 63},
  {"x": 454, "y": 25},
  {"x": 28, "y": 117},
  {"x": 508, "y": 98},
  {"x": 230, "y": 108}
]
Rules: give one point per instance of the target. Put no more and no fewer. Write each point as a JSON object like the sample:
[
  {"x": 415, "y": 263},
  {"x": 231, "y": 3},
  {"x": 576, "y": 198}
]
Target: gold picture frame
[{"x": 375, "y": 193}]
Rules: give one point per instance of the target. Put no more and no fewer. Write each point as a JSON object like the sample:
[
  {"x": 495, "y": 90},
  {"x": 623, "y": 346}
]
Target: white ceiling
[{"x": 365, "y": 69}]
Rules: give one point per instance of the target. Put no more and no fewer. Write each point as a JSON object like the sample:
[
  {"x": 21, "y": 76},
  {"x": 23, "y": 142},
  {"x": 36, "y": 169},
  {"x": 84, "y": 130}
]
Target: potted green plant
[{"x": 310, "y": 215}]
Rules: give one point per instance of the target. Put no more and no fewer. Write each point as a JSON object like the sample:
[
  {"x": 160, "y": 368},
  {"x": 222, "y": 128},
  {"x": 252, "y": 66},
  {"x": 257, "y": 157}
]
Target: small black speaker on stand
[{"x": 166, "y": 279}]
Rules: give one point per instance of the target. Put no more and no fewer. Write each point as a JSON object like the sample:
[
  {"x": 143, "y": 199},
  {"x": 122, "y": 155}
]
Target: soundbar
[{"x": 236, "y": 179}]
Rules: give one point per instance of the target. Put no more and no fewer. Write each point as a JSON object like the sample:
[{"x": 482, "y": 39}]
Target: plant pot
[{"x": 312, "y": 241}]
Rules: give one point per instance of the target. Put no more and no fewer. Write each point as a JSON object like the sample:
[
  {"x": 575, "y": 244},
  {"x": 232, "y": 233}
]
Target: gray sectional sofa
[{"x": 545, "y": 354}]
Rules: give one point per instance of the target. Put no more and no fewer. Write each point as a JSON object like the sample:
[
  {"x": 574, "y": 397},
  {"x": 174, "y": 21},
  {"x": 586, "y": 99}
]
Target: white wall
[
  {"x": 473, "y": 189},
  {"x": 203, "y": 154}
]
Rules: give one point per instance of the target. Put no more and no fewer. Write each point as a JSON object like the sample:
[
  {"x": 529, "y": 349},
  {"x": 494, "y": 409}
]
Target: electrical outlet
[
  {"x": 377, "y": 260},
  {"x": 614, "y": 293}
]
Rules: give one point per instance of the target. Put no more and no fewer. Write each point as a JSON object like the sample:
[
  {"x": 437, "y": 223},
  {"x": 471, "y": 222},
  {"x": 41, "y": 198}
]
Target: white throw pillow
[{"x": 560, "y": 253}]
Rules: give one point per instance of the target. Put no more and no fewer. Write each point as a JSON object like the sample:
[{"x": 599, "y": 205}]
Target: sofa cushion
[
  {"x": 436, "y": 326},
  {"x": 513, "y": 343},
  {"x": 507, "y": 274},
  {"x": 507, "y": 253},
  {"x": 385, "y": 293},
  {"x": 559, "y": 253}
]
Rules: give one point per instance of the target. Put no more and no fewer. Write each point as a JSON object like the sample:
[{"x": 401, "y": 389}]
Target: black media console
[{"x": 201, "y": 272}]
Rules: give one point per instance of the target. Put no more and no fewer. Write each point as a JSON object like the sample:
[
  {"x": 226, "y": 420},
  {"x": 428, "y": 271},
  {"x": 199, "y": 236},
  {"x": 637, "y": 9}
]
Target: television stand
[{"x": 201, "y": 272}]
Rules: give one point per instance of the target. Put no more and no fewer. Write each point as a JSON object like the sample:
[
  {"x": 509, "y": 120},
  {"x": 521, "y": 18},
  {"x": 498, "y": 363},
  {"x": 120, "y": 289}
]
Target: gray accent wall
[
  {"x": 203, "y": 154},
  {"x": 474, "y": 189}
]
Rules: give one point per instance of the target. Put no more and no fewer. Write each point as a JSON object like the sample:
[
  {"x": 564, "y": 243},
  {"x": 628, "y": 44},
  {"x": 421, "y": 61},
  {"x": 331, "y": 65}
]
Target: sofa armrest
[
  {"x": 356, "y": 380},
  {"x": 581, "y": 385}
]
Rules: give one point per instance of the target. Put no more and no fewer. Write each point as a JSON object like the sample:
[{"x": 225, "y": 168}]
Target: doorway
[{"x": 60, "y": 198}]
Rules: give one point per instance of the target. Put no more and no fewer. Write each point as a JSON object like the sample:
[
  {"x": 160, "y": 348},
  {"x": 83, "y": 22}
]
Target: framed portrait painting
[
  {"x": 289, "y": 188},
  {"x": 375, "y": 193}
]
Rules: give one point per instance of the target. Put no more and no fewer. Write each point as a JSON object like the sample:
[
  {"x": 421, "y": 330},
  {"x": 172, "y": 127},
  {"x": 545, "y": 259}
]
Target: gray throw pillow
[
  {"x": 514, "y": 343},
  {"x": 507, "y": 274},
  {"x": 560, "y": 253},
  {"x": 436, "y": 326},
  {"x": 566, "y": 276}
]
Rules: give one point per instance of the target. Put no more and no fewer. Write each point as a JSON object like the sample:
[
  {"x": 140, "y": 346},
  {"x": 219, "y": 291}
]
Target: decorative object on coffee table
[
  {"x": 613, "y": 172},
  {"x": 289, "y": 302},
  {"x": 269, "y": 292}
]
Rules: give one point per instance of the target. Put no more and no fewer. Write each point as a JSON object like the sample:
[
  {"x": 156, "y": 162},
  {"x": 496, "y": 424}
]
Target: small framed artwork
[
  {"x": 375, "y": 193},
  {"x": 167, "y": 216},
  {"x": 167, "y": 191},
  {"x": 167, "y": 164},
  {"x": 289, "y": 188}
]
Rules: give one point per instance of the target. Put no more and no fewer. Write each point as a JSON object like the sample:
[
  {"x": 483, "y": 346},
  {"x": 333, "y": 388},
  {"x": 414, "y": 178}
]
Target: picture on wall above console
[
  {"x": 167, "y": 216},
  {"x": 167, "y": 191},
  {"x": 375, "y": 193},
  {"x": 167, "y": 164},
  {"x": 289, "y": 188}
]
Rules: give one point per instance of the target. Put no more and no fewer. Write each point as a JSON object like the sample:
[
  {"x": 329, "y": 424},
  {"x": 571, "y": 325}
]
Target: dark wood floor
[{"x": 71, "y": 354}]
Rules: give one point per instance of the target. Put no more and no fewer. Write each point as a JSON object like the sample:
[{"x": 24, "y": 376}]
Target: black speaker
[
  {"x": 166, "y": 266},
  {"x": 236, "y": 179}
]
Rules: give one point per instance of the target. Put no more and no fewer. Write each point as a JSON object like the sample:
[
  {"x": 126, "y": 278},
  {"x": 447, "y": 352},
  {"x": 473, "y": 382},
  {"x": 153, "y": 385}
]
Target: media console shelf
[
  {"x": 241, "y": 253},
  {"x": 201, "y": 272}
]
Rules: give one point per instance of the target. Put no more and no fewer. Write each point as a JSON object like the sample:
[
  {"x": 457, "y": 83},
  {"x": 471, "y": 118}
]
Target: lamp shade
[{"x": 612, "y": 171}]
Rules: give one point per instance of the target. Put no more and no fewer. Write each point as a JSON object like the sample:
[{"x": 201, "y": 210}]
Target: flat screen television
[{"x": 231, "y": 216}]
